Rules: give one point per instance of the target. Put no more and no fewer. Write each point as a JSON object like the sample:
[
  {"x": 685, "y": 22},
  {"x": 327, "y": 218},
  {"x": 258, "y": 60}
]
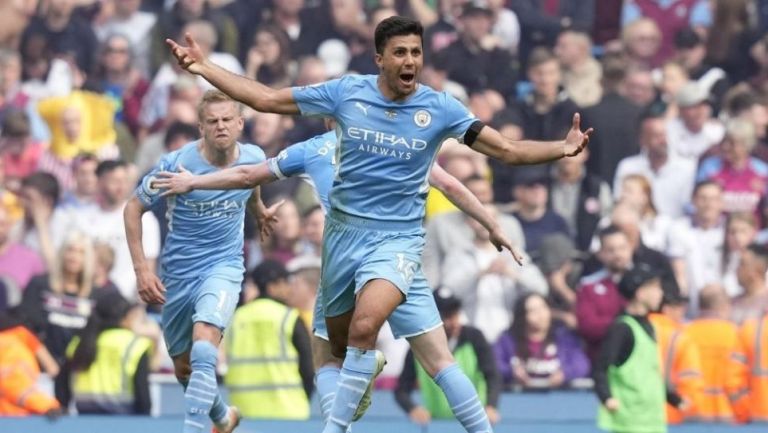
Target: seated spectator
[
  {"x": 474, "y": 357},
  {"x": 21, "y": 356},
  {"x": 537, "y": 353},
  {"x": 269, "y": 57},
  {"x": 581, "y": 72},
  {"x": 45, "y": 224},
  {"x": 641, "y": 39},
  {"x": 18, "y": 264},
  {"x": 20, "y": 153},
  {"x": 717, "y": 340},
  {"x": 744, "y": 178},
  {"x": 97, "y": 384},
  {"x": 561, "y": 263},
  {"x": 488, "y": 282},
  {"x": 743, "y": 103},
  {"x": 751, "y": 274},
  {"x": 672, "y": 178},
  {"x": 639, "y": 86},
  {"x": 137, "y": 25},
  {"x": 637, "y": 194},
  {"x": 581, "y": 198},
  {"x": 681, "y": 365},
  {"x": 696, "y": 243},
  {"x": 86, "y": 183},
  {"x": 263, "y": 332},
  {"x": 740, "y": 232},
  {"x": 691, "y": 53},
  {"x": 536, "y": 218},
  {"x": 598, "y": 301},
  {"x": 694, "y": 132}
]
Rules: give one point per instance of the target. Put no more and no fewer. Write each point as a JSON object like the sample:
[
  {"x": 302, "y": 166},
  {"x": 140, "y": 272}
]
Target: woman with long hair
[
  {"x": 269, "y": 59},
  {"x": 537, "y": 353},
  {"x": 108, "y": 364},
  {"x": 740, "y": 231},
  {"x": 637, "y": 192}
]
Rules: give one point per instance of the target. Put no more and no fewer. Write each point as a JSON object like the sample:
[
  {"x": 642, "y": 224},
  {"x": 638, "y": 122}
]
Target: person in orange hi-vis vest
[
  {"x": 754, "y": 339},
  {"x": 20, "y": 352},
  {"x": 680, "y": 362},
  {"x": 719, "y": 348}
]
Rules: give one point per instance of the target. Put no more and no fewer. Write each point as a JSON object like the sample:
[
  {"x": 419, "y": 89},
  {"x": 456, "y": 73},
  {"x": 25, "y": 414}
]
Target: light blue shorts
[
  {"x": 210, "y": 298},
  {"x": 357, "y": 250}
]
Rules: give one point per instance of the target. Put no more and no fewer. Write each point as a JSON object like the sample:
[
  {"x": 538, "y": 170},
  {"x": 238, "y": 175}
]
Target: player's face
[
  {"x": 221, "y": 125},
  {"x": 400, "y": 64}
]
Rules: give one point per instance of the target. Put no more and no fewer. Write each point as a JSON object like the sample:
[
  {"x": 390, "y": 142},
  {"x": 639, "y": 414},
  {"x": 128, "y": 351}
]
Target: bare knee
[
  {"x": 206, "y": 332},
  {"x": 437, "y": 363},
  {"x": 363, "y": 332}
]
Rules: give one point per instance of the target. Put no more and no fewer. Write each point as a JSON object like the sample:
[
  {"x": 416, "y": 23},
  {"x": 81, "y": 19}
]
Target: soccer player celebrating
[
  {"x": 202, "y": 259},
  {"x": 389, "y": 131}
]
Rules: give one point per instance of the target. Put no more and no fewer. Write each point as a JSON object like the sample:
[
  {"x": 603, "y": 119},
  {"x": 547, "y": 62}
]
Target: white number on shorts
[{"x": 405, "y": 267}]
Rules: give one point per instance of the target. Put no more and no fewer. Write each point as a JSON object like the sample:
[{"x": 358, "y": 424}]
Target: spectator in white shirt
[
  {"x": 695, "y": 131},
  {"x": 136, "y": 25},
  {"x": 672, "y": 178}
]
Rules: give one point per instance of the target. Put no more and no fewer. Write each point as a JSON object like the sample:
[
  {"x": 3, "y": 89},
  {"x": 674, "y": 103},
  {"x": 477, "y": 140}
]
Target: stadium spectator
[
  {"x": 718, "y": 342},
  {"x": 136, "y": 25},
  {"x": 598, "y": 301},
  {"x": 104, "y": 223},
  {"x": 637, "y": 195},
  {"x": 681, "y": 365},
  {"x": 510, "y": 123},
  {"x": 474, "y": 356},
  {"x": 18, "y": 264},
  {"x": 306, "y": 25},
  {"x": 694, "y": 132},
  {"x": 627, "y": 375},
  {"x": 95, "y": 381},
  {"x": 269, "y": 57},
  {"x": 312, "y": 226},
  {"x": 310, "y": 70},
  {"x": 45, "y": 224},
  {"x": 642, "y": 41},
  {"x": 561, "y": 263},
  {"x": 614, "y": 119},
  {"x": 754, "y": 363},
  {"x": 742, "y": 103},
  {"x": 734, "y": 37},
  {"x": 581, "y": 72},
  {"x": 21, "y": 356},
  {"x": 268, "y": 351},
  {"x": 536, "y": 352},
  {"x": 639, "y": 86},
  {"x": 751, "y": 275},
  {"x": 673, "y": 78},
  {"x": 179, "y": 123},
  {"x": 283, "y": 245},
  {"x": 670, "y": 16},
  {"x": 506, "y": 26},
  {"x": 533, "y": 212},
  {"x": 740, "y": 232},
  {"x": 304, "y": 278},
  {"x": 671, "y": 178},
  {"x": 579, "y": 197},
  {"x": 492, "y": 66},
  {"x": 86, "y": 182},
  {"x": 696, "y": 243},
  {"x": 744, "y": 178},
  {"x": 691, "y": 53},
  {"x": 20, "y": 153}
]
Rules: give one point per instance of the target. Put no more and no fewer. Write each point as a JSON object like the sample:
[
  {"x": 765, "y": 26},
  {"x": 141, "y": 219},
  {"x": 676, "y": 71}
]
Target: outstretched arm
[
  {"x": 250, "y": 92},
  {"x": 240, "y": 177},
  {"x": 462, "y": 198},
  {"x": 151, "y": 290},
  {"x": 490, "y": 142}
]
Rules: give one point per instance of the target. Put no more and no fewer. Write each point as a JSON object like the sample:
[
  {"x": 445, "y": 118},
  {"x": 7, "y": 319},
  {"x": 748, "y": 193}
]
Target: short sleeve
[
  {"x": 458, "y": 118},
  {"x": 319, "y": 99},
  {"x": 146, "y": 194},
  {"x": 289, "y": 162}
]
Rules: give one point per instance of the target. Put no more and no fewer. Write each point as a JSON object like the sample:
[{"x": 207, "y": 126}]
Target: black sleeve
[
  {"x": 303, "y": 346},
  {"x": 406, "y": 383},
  {"x": 615, "y": 350},
  {"x": 142, "y": 403},
  {"x": 486, "y": 362},
  {"x": 31, "y": 306},
  {"x": 673, "y": 398},
  {"x": 63, "y": 392}
]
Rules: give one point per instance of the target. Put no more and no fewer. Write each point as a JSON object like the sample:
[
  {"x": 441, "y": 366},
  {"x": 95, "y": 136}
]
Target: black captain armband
[{"x": 474, "y": 130}]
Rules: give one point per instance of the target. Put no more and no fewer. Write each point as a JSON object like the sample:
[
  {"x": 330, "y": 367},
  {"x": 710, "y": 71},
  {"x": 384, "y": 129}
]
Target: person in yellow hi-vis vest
[
  {"x": 108, "y": 363},
  {"x": 268, "y": 352}
]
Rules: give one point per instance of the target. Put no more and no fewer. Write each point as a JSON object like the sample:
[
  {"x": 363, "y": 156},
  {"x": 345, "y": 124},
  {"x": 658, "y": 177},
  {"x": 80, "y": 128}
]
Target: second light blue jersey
[
  {"x": 313, "y": 160},
  {"x": 385, "y": 149},
  {"x": 205, "y": 227}
]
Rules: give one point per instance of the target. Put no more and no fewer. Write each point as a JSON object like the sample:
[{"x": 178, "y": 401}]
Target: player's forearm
[
  {"x": 241, "y": 177},
  {"x": 462, "y": 198},
  {"x": 133, "y": 233},
  {"x": 532, "y": 152},
  {"x": 250, "y": 92}
]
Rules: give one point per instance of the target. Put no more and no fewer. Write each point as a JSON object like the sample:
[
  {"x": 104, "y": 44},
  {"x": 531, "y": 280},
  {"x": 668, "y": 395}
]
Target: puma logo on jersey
[{"x": 363, "y": 108}]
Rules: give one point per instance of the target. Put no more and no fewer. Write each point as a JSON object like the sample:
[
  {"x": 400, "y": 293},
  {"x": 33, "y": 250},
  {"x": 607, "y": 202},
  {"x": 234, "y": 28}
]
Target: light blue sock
[
  {"x": 202, "y": 388},
  {"x": 356, "y": 373},
  {"x": 462, "y": 397},
  {"x": 218, "y": 410},
  {"x": 326, "y": 381}
]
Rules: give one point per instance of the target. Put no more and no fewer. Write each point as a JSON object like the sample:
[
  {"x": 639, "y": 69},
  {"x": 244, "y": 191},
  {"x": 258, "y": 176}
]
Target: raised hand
[
  {"x": 190, "y": 57},
  {"x": 174, "y": 182},
  {"x": 267, "y": 219},
  {"x": 576, "y": 140}
]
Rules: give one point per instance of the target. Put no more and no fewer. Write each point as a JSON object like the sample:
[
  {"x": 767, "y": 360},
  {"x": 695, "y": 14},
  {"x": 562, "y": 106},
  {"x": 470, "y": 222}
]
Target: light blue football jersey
[
  {"x": 313, "y": 160},
  {"x": 385, "y": 149},
  {"x": 205, "y": 227}
]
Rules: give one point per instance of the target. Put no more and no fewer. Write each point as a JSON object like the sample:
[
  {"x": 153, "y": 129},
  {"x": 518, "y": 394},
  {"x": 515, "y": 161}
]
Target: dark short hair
[
  {"x": 45, "y": 183},
  {"x": 652, "y": 112},
  {"x": 395, "y": 26},
  {"x": 177, "y": 129},
  {"x": 16, "y": 124},
  {"x": 108, "y": 166},
  {"x": 539, "y": 56},
  {"x": 609, "y": 231},
  {"x": 760, "y": 250},
  {"x": 704, "y": 184}
]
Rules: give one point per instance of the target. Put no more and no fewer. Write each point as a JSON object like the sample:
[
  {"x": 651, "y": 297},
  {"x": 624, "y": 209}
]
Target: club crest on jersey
[{"x": 422, "y": 118}]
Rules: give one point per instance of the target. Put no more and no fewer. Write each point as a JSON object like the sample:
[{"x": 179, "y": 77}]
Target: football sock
[{"x": 463, "y": 399}]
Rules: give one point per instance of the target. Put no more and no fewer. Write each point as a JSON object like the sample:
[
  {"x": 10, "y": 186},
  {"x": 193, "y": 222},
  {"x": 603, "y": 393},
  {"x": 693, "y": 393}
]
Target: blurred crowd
[{"x": 675, "y": 176}]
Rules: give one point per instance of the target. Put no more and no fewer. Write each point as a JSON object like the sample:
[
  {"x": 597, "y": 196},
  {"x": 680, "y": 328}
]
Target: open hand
[
  {"x": 173, "y": 182},
  {"x": 190, "y": 57},
  {"x": 267, "y": 219},
  {"x": 576, "y": 140}
]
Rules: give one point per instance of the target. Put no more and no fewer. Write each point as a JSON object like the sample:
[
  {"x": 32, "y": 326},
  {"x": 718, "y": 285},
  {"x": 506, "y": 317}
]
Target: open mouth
[{"x": 407, "y": 78}]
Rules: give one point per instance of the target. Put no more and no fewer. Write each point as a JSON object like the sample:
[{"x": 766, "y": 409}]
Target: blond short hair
[{"x": 213, "y": 96}]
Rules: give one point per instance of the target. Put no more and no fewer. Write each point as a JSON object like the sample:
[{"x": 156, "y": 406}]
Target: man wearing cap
[
  {"x": 268, "y": 351},
  {"x": 694, "y": 131},
  {"x": 474, "y": 356},
  {"x": 627, "y": 374},
  {"x": 679, "y": 356}
]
